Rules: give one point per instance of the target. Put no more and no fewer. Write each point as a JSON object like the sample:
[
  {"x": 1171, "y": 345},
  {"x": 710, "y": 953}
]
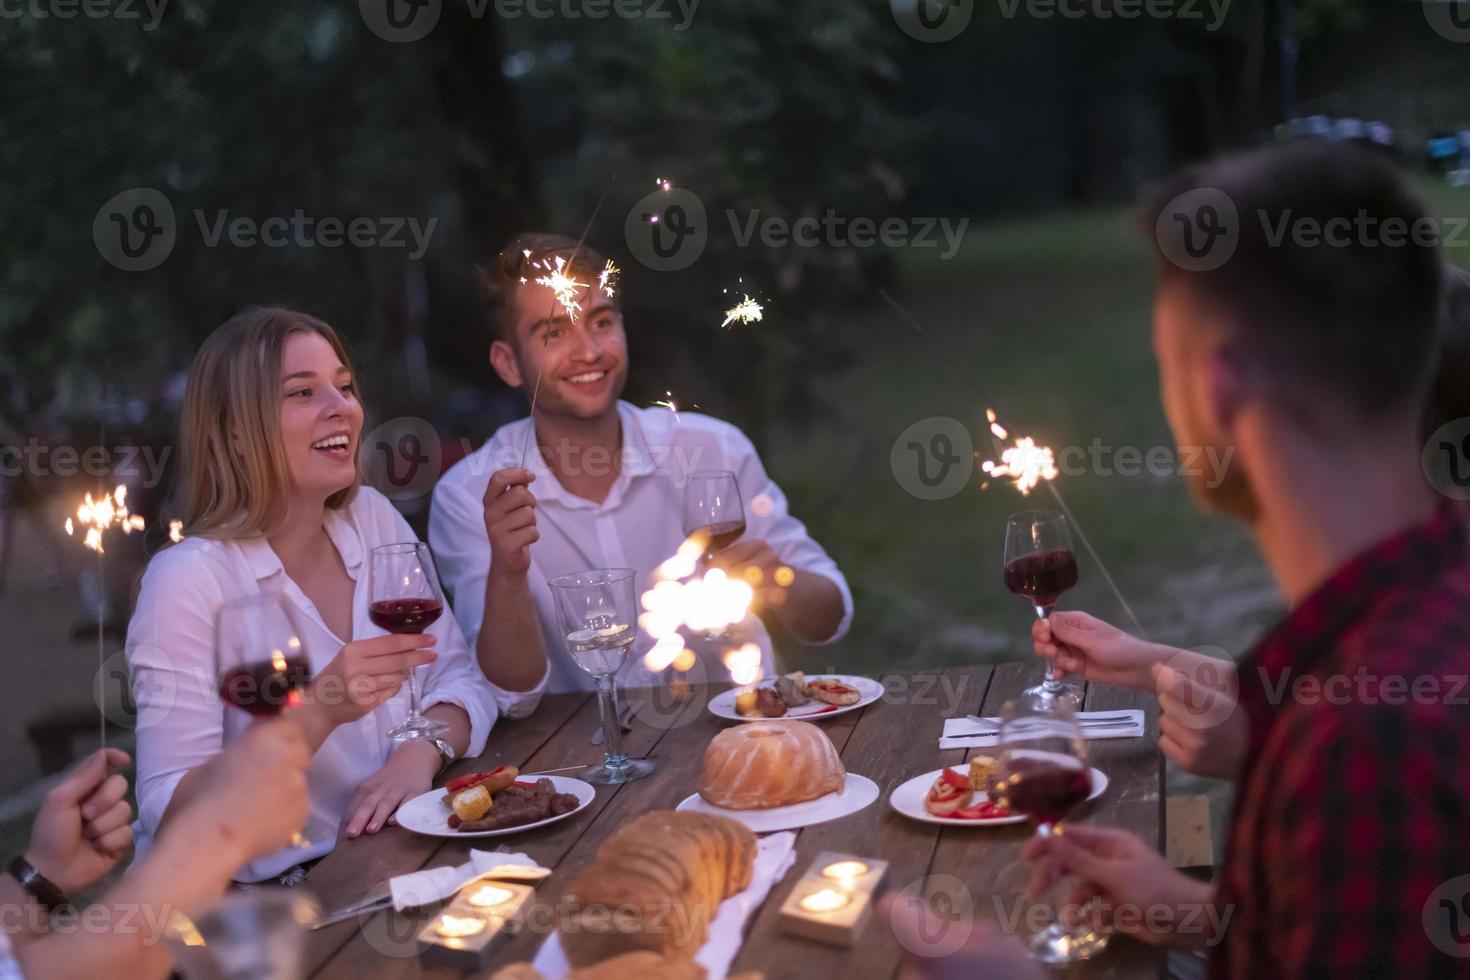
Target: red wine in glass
[
  {"x": 1045, "y": 791},
  {"x": 265, "y": 688},
  {"x": 721, "y": 534},
  {"x": 1042, "y": 577},
  {"x": 405, "y": 615}
]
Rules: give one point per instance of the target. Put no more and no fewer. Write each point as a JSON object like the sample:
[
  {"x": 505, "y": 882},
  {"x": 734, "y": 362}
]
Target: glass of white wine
[{"x": 598, "y": 614}]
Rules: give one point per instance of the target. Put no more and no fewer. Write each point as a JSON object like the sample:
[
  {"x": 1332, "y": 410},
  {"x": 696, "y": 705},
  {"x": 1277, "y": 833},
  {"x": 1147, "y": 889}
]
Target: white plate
[
  {"x": 856, "y": 793},
  {"x": 908, "y": 799},
  {"x": 429, "y": 814},
  {"x": 722, "y": 705}
]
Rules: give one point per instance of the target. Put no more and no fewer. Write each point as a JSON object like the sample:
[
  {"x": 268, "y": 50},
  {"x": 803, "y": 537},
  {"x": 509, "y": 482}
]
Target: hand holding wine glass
[
  {"x": 1044, "y": 774},
  {"x": 406, "y": 599}
]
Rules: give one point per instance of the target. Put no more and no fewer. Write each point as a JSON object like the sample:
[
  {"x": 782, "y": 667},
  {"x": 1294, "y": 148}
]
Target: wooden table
[{"x": 888, "y": 741}]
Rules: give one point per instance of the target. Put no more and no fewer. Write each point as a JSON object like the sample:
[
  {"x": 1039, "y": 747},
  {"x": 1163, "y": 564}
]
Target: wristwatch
[{"x": 41, "y": 888}]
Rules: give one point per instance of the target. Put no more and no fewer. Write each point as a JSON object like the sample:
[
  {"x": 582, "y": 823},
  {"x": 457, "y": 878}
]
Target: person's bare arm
[{"x": 509, "y": 646}]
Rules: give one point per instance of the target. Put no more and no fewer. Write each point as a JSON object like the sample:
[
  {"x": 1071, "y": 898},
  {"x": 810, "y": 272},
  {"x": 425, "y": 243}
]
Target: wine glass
[
  {"x": 598, "y": 616},
  {"x": 1040, "y": 566},
  {"x": 1043, "y": 773},
  {"x": 403, "y": 588},
  {"x": 714, "y": 510},
  {"x": 261, "y": 662}
]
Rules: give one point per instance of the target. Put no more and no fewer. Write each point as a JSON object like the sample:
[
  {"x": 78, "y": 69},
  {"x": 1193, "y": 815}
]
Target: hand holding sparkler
[{"x": 510, "y": 520}]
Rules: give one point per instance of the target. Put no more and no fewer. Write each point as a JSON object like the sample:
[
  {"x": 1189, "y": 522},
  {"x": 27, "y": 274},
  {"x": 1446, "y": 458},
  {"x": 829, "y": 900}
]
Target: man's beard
[{"x": 1226, "y": 492}]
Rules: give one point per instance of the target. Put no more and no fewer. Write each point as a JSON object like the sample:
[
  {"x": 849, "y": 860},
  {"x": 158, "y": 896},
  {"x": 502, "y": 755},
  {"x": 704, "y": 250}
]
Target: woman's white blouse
[{"x": 181, "y": 720}]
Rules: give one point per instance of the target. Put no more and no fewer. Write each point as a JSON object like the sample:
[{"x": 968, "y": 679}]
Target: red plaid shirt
[{"x": 1352, "y": 816}]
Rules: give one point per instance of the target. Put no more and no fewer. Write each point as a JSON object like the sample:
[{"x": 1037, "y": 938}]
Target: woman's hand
[
  {"x": 83, "y": 828},
  {"x": 366, "y": 673},
  {"x": 1097, "y": 651},
  {"x": 409, "y": 771}
]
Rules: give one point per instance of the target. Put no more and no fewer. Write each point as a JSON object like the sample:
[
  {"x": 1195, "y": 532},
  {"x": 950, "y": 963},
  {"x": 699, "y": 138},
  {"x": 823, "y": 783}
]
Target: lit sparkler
[
  {"x": 607, "y": 279},
  {"x": 176, "y": 531},
  {"x": 98, "y": 516},
  {"x": 1025, "y": 462},
  {"x": 101, "y": 514},
  {"x": 565, "y": 287}
]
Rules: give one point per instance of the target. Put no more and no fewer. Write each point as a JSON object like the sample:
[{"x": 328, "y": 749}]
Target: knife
[{"x": 372, "y": 903}]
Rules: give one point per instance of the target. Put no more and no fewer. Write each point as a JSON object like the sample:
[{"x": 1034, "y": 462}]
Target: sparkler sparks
[
  {"x": 747, "y": 311},
  {"x": 176, "y": 531},
  {"x": 98, "y": 515},
  {"x": 565, "y": 287},
  {"x": 607, "y": 280}
]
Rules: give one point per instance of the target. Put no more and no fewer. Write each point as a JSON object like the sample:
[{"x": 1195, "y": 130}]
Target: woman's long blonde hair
[{"x": 235, "y": 481}]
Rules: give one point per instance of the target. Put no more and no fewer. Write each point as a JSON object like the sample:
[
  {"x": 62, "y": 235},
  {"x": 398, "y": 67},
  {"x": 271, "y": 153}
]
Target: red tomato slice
[{"x": 955, "y": 780}]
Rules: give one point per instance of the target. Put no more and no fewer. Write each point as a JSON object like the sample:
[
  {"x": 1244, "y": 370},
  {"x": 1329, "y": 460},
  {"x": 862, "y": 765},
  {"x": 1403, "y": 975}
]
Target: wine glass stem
[
  {"x": 1052, "y": 684},
  {"x": 1052, "y": 897},
  {"x": 612, "y": 729},
  {"x": 413, "y": 693}
]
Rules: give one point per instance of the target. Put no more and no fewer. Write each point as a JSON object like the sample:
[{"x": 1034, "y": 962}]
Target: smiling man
[{"x": 603, "y": 484}]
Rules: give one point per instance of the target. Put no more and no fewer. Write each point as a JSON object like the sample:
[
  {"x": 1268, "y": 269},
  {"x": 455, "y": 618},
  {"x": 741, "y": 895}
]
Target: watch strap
[{"x": 41, "y": 888}]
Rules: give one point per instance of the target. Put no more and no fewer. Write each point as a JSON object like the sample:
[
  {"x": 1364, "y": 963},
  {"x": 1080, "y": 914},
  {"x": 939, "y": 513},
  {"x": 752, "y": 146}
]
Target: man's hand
[
  {"x": 409, "y": 771},
  {"x": 1201, "y": 728},
  {"x": 252, "y": 796},
  {"x": 744, "y": 555},
  {"x": 366, "y": 673},
  {"x": 83, "y": 826},
  {"x": 1088, "y": 647},
  {"x": 1139, "y": 894},
  {"x": 510, "y": 521}
]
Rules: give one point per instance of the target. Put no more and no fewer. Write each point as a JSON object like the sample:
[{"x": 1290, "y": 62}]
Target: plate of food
[
  {"x": 954, "y": 798},
  {"x": 796, "y": 695},
  {"x": 777, "y": 775},
  {"x": 494, "y": 803}
]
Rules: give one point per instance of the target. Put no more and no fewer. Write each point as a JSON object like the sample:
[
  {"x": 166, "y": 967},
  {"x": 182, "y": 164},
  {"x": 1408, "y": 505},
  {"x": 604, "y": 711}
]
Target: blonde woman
[{"x": 273, "y": 504}]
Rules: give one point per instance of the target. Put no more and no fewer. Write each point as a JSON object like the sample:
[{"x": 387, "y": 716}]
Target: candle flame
[{"x": 826, "y": 900}]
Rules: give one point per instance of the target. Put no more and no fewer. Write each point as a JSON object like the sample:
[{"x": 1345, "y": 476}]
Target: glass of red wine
[
  {"x": 714, "y": 510},
  {"x": 262, "y": 663},
  {"x": 1043, "y": 773},
  {"x": 404, "y": 594},
  {"x": 1039, "y": 567}
]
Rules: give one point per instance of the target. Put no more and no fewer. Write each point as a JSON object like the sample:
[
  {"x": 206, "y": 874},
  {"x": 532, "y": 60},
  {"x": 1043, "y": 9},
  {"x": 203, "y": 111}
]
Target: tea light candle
[
  {"x": 458, "y": 927},
  {"x": 463, "y": 936},
  {"x": 826, "y": 900},
  {"x": 845, "y": 871},
  {"x": 489, "y": 896},
  {"x": 833, "y": 900}
]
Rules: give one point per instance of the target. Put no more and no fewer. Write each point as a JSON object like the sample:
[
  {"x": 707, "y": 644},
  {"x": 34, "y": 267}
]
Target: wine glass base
[
  {"x": 1069, "y": 693},
  {"x": 417, "y": 729},
  {"x": 605, "y": 775},
  {"x": 1055, "y": 944}
]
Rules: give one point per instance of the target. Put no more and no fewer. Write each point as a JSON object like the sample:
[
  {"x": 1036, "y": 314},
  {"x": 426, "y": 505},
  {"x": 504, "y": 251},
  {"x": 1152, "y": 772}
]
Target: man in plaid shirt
[
  {"x": 1303, "y": 333},
  {"x": 1297, "y": 320}
]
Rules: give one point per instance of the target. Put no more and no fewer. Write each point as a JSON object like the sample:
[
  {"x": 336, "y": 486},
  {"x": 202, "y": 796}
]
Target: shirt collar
[
  {"x": 1308, "y": 633},
  {"x": 635, "y": 455},
  {"x": 264, "y": 562}
]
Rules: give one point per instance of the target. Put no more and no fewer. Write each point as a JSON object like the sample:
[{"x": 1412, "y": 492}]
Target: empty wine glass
[
  {"x": 713, "y": 509},
  {"x": 1043, "y": 773},
  {"x": 1040, "y": 566},
  {"x": 598, "y": 616},
  {"x": 403, "y": 586}
]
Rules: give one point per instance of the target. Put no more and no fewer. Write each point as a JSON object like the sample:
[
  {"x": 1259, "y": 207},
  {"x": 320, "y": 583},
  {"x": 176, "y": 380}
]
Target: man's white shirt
[{"x": 638, "y": 526}]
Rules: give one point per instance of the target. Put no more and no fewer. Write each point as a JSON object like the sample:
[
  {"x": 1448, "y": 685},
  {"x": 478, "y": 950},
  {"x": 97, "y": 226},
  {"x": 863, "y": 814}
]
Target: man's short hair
[
  {"x": 1355, "y": 314},
  {"x": 1449, "y": 395},
  {"x": 529, "y": 256}
]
